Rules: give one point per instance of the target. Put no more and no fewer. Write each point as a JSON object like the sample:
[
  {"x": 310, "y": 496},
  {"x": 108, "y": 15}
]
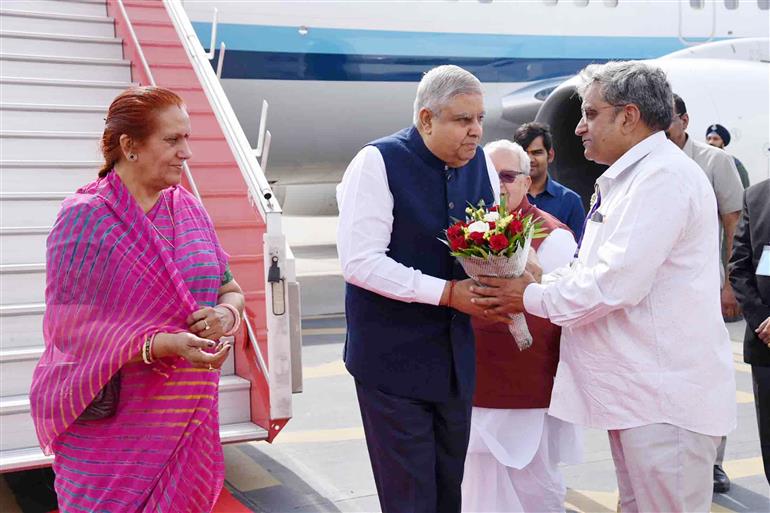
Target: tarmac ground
[{"x": 320, "y": 463}]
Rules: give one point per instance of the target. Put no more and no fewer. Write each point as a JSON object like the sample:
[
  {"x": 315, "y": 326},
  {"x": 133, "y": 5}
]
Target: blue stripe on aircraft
[
  {"x": 313, "y": 66},
  {"x": 327, "y": 41}
]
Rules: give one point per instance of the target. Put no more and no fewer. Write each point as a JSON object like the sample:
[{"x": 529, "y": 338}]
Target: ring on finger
[{"x": 205, "y": 324}]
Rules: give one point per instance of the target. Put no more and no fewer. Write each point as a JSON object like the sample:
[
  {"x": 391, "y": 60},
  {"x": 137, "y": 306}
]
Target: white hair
[
  {"x": 506, "y": 145},
  {"x": 439, "y": 85}
]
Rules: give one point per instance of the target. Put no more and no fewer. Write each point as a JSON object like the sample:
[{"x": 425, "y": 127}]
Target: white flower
[
  {"x": 478, "y": 226},
  {"x": 491, "y": 217}
]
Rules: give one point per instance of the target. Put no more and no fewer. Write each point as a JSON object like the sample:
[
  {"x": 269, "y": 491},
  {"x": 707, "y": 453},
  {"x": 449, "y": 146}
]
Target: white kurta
[
  {"x": 643, "y": 340},
  {"x": 513, "y": 454}
]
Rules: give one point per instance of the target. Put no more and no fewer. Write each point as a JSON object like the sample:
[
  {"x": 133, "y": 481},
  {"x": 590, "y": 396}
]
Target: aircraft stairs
[{"x": 61, "y": 63}]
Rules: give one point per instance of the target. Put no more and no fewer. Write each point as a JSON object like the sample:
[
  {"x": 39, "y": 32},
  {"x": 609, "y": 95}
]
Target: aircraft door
[{"x": 697, "y": 21}]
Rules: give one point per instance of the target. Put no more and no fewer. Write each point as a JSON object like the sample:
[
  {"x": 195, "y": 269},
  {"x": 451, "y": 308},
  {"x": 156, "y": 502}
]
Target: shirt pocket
[{"x": 590, "y": 244}]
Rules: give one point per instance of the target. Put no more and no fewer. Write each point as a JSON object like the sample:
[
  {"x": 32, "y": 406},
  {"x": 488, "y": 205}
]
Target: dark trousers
[
  {"x": 417, "y": 449},
  {"x": 761, "y": 378}
]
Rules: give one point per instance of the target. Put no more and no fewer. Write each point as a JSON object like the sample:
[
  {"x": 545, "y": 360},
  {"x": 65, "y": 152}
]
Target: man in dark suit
[
  {"x": 750, "y": 276},
  {"x": 409, "y": 342}
]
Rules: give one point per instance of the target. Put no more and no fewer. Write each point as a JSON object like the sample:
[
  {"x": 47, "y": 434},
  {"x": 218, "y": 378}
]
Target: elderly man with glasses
[
  {"x": 644, "y": 353},
  {"x": 515, "y": 446}
]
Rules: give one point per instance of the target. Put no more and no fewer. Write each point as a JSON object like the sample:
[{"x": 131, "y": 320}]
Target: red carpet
[{"x": 226, "y": 504}]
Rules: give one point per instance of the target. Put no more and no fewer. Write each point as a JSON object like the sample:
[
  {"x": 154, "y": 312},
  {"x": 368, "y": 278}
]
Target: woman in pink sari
[{"x": 138, "y": 292}]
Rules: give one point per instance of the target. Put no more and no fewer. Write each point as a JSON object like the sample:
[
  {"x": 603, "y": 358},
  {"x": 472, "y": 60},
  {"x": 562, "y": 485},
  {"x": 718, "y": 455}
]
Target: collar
[
  {"x": 634, "y": 155},
  {"x": 550, "y": 186},
  {"x": 417, "y": 145},
  {"x": 549, "y": 189},
  {"x": 689, "y": 147}
]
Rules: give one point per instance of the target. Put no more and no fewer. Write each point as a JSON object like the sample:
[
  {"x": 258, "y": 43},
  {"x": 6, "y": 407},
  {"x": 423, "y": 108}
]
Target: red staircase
[{"x": 216, "y": 174}]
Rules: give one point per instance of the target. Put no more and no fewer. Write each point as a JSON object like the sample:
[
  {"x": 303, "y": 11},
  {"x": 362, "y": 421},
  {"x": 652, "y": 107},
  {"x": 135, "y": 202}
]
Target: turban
[{"x": 721, "y": 131}]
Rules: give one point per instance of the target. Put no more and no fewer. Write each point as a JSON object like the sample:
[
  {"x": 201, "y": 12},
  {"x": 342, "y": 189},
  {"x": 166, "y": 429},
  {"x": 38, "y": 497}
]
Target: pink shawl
[{"x": 110, "y": 284}]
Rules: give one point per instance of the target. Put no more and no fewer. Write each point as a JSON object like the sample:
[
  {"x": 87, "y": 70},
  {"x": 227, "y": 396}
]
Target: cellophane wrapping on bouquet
[{"x": 504, "y": 267}]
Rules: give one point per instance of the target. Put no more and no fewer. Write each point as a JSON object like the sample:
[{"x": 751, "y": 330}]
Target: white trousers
[
  {"x": 490, "y": 486},
  {"x": 663, "y": 468}
]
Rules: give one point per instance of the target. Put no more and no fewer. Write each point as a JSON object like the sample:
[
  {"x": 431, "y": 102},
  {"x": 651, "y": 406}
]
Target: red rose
[
  {"x": 458, "y": 244},
  {"x": 515, "y": 227},
  {"x": 477, "y": 237},
  {"x": 492, "y": 225},
  {"x": 493, "y": 208},
  {"x": 498, "y": 242},
  {"x": 455, "y": 231}
]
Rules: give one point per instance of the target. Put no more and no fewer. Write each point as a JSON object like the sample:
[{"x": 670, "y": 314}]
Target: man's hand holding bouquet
[{"x": 495, "y": 242}]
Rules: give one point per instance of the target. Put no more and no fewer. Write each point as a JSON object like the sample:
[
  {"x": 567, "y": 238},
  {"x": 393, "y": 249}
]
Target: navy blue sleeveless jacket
[{"x": 413, "y": 349}]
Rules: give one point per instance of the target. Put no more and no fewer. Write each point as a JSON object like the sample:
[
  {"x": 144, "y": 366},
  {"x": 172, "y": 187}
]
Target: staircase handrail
[
  {"x": 188, "y": 173},
  {"x": 279, "y": 326},
  {"x": 259, "y": 189}
]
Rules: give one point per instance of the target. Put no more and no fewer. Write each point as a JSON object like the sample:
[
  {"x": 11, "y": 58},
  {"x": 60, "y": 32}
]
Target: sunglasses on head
[{"x": 509, "y": 176}]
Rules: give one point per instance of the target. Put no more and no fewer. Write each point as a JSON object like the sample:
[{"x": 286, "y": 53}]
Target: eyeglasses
[
  {"x": 507, "y": 176},
  {"x": 592, "y": 112}
]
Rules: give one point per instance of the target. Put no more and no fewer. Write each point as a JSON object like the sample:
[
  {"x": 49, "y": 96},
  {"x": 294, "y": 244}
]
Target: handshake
[{"x": 493, "y": 299}]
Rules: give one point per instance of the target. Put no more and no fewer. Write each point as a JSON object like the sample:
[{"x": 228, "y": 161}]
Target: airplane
[
  {"x": 338, "y": 74},
  {"x": 705, "y": 77}
]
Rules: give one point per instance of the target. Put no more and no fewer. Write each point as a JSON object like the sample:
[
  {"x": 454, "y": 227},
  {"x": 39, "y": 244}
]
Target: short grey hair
[
  {"x": 439, "y": 85},
  {"x": 506, "y": 145},
  {"x": 625, "y": 82}
]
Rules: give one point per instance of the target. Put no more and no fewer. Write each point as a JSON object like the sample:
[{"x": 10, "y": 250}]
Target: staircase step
[
  {"x": 22, "y": 283},
  {"x": 22, "y": 244},
  {"x": 23, "y": 459},
  {"x": 16, "y": 367},
  {"x": 56, "y": 23},
  {"x": 71, "y": 7},
  {"x": 23, "y": 209},
  {"x": 32, "y": 43},
  {"x": 19, "y": 431},
  {"x": 22, "y": 326},
  {"x": 68, "y": 146},
  {"x": 32, "y": 176},
  {"x": 46, "y": 90},
  {"x": 21, "y": 116},
  {"x": 239, "y": 432},
  {"x": 41, "y": 66},
  {"x": 31, "y": 457}
]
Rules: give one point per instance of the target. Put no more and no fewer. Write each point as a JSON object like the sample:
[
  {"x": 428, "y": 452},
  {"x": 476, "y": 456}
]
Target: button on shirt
[
  {"x": 363, "y": 233},
  {"x": 562, "y": 203},
  {"x": 643, "y": 339}
]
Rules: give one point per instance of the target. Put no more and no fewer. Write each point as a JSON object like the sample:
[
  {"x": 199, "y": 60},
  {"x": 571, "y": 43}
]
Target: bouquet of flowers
[{"x": 495, "y": 242}]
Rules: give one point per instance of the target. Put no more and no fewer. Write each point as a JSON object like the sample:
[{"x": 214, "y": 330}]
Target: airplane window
[
  {"x": 763, "y": 4},
  {"x": 697, "y": 4},
  {"x": 731, "y": 5},
  {"x": 611, "y": 3},
  {"x": 581, "y": 3}
]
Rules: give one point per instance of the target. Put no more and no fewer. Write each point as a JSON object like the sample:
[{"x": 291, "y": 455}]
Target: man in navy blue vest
[{"x": 409, "y": 341}]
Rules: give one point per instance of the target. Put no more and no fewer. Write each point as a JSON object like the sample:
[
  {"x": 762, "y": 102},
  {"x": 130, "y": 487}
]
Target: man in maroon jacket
[{"x": 515, "y": 446}]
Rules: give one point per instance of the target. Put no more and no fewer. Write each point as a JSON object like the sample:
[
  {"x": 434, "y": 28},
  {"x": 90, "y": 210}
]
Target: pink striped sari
[{"x": 113, "y": 279}]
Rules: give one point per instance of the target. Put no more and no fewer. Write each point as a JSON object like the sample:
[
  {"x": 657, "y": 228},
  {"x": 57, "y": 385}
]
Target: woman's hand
[
  {"x": 211, "y": 323},
  {"x": 191, "y": 348}
]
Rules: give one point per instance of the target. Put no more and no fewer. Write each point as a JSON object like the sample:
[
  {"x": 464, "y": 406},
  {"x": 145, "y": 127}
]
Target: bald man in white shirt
[{"x": 644, "y": 351}]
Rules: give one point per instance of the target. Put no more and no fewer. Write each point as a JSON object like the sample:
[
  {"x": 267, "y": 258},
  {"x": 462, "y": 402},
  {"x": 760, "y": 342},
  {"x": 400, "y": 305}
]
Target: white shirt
[
  {"x": 363, "y": 234},
  {"x": 643, "y": 339}
]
